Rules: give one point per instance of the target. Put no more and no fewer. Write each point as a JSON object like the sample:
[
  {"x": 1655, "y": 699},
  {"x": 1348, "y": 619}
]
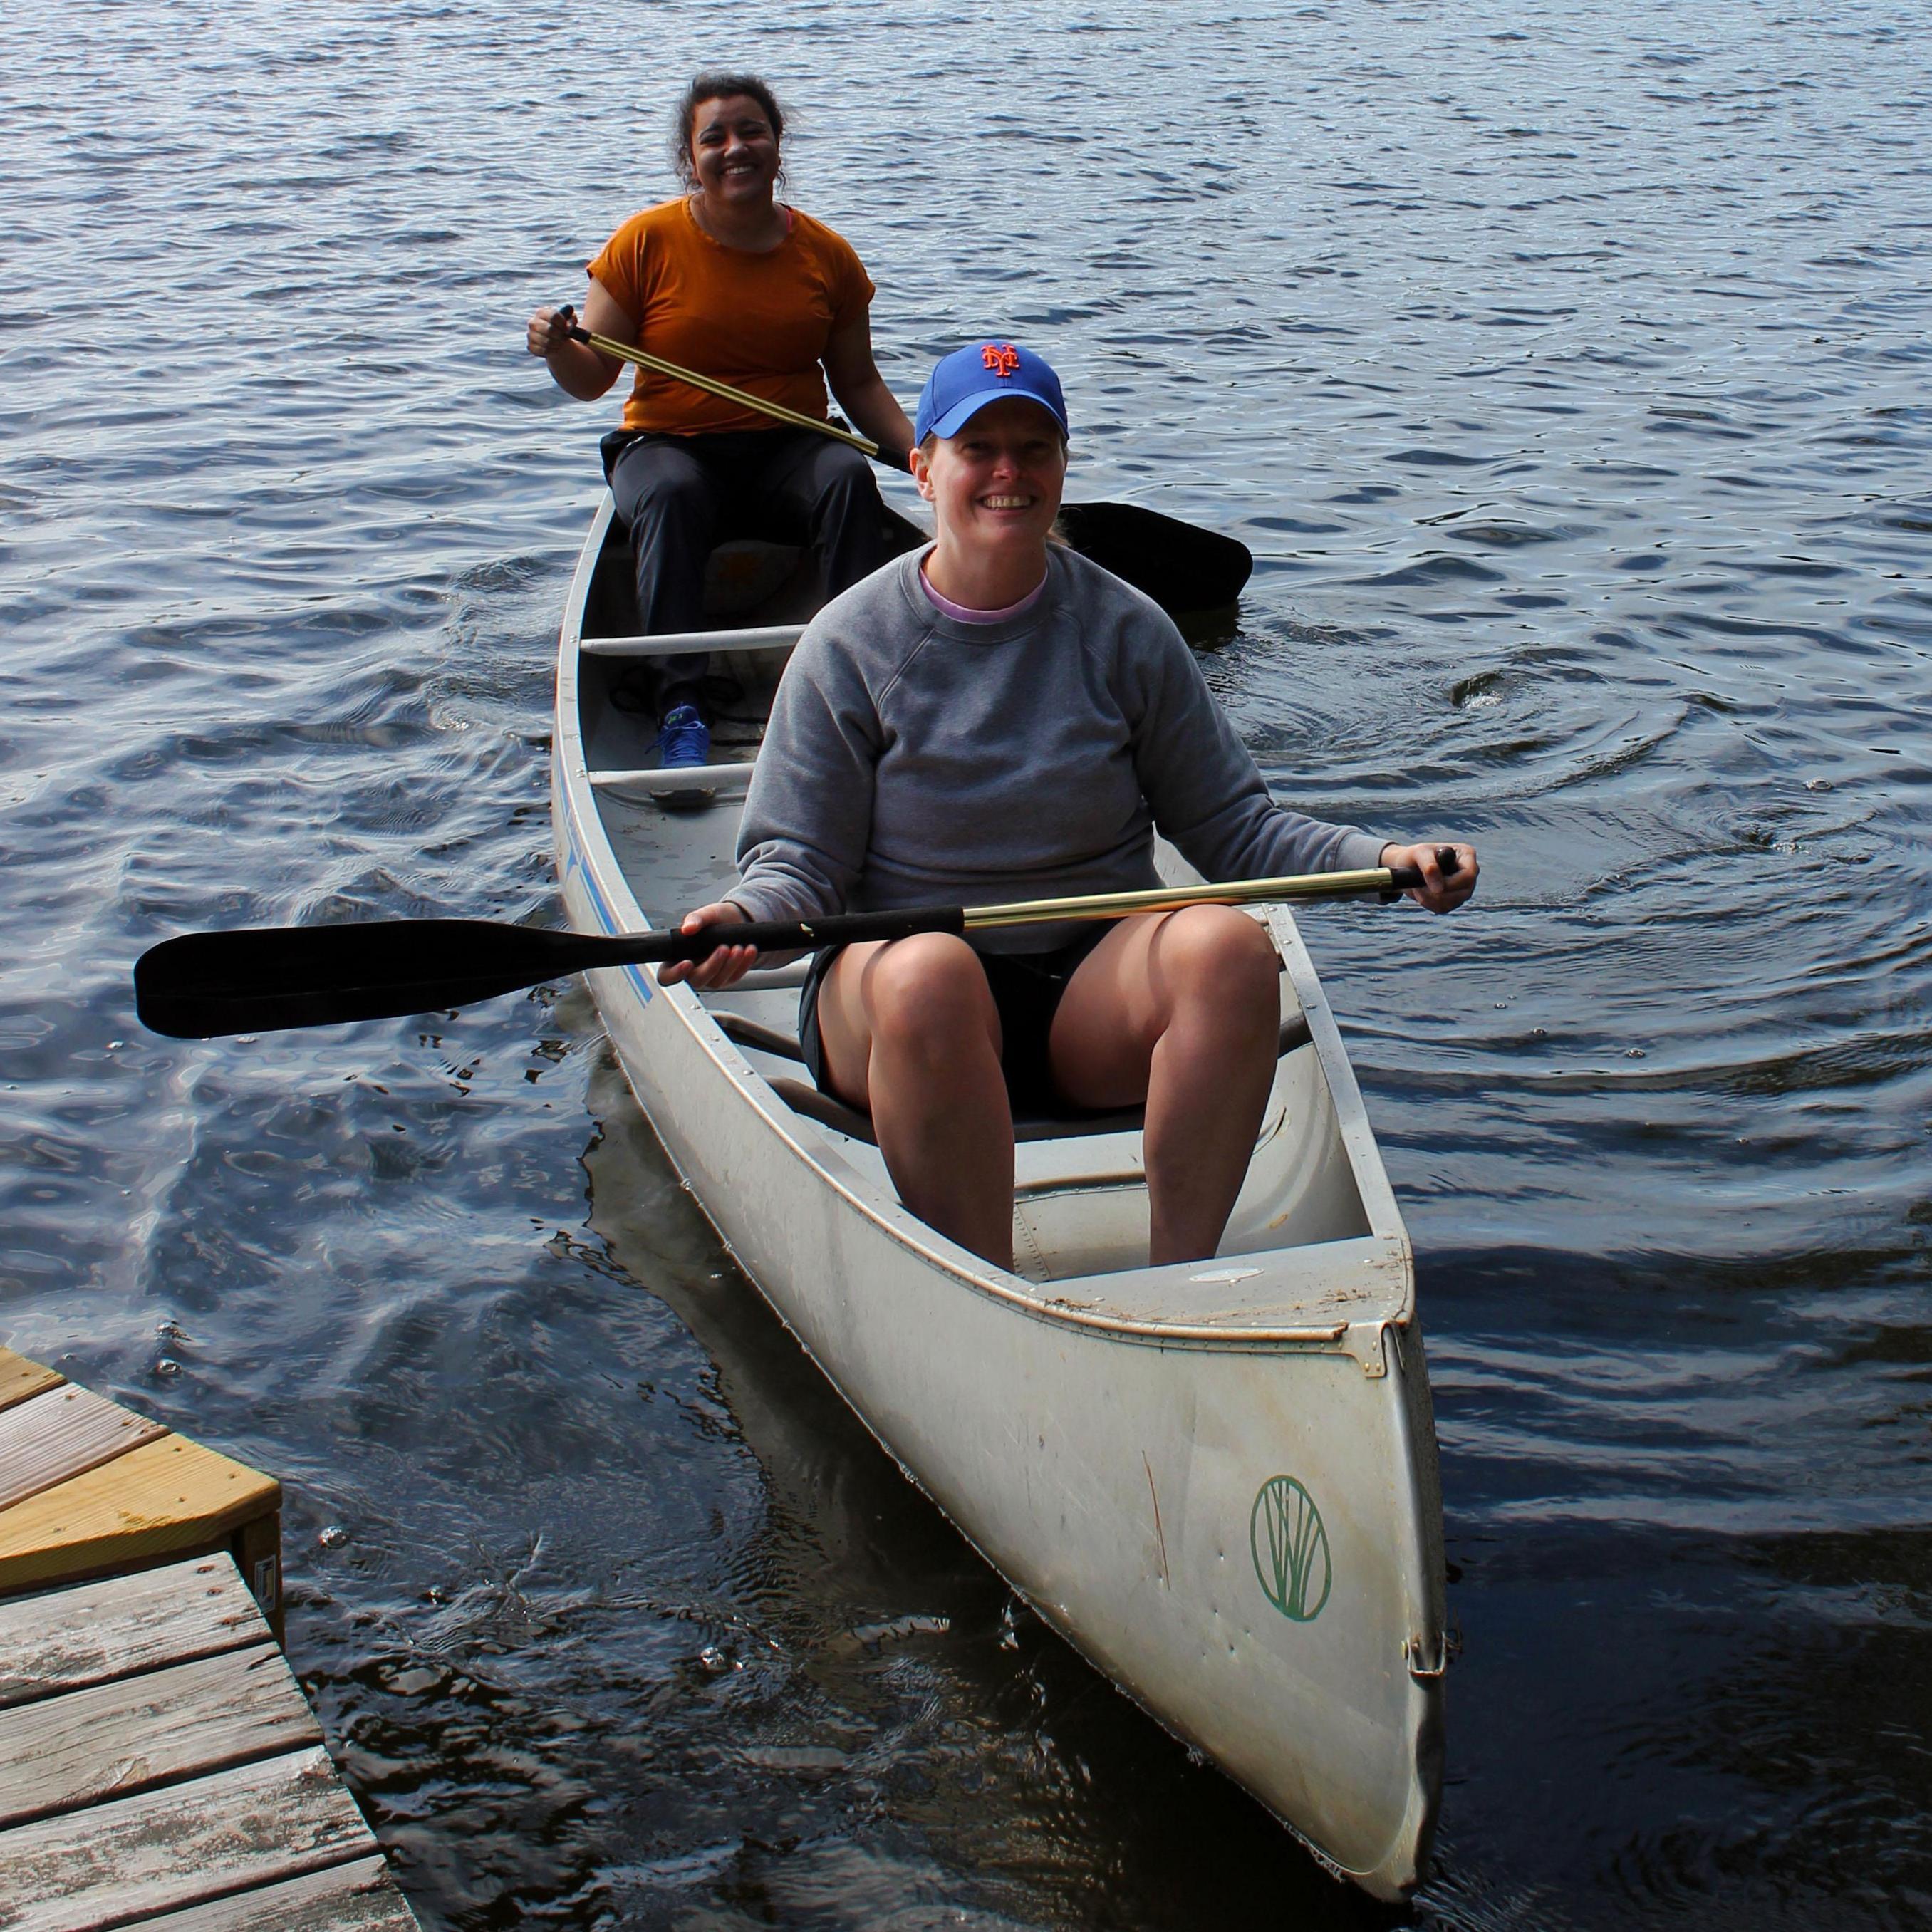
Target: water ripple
[{"x": 1566, "y": 375}]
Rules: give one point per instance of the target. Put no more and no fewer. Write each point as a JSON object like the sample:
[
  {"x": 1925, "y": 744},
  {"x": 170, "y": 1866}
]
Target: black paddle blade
[
  {"x": 204, "y": 985},
  {"x": 1182, "y": 567}
]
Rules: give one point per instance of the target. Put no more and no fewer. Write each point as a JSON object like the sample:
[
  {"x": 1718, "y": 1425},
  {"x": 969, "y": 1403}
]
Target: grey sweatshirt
[{"x": 912, "y": 760}]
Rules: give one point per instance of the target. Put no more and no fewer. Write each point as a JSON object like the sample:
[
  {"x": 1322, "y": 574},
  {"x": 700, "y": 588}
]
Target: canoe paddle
[
  {"x": 1179, "y": 565},
  {"x": 258, "y": 980},
  {"x": 609, "y": 345}
]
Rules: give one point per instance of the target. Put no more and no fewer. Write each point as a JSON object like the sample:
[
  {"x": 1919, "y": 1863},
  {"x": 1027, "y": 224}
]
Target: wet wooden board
[
  {"x": 183, "y": 1845},
  {"x": 169, "y": 1495},
  {"x": 361, "y": 1898},
  {"x": 20, "y": 1379},
  {"x": 158, "y": 1764},
  {"x": 115, "y": 1739},
  {"x": 62, "y": 1432},
  {"x": 92, "y": 1632}
]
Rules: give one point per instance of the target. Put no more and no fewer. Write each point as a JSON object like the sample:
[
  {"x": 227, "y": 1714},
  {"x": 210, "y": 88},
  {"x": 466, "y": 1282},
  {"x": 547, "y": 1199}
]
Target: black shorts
[{"x": 1026, "y": 988}]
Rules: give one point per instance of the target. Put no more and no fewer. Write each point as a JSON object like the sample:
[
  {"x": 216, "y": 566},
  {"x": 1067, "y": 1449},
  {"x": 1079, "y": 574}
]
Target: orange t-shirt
[{"x": 760, "y": 323}]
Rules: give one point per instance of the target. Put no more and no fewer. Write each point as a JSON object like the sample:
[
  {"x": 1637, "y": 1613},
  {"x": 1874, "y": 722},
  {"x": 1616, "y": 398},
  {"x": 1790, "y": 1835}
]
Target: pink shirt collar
[{"x": 963, "y": 614}]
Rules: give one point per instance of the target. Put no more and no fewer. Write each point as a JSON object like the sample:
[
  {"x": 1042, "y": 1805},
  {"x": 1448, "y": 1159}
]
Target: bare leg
[
  {"x": 909, "y": 1029},
  {"x": 1182, "y": 1008}
]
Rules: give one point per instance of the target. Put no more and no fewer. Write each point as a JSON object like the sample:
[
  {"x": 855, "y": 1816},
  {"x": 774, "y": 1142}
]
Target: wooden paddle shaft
[
  {"x": 657, "y": 366},
  {"x": 1172, "y": 899},
  {"x": 855, "y": 928}
]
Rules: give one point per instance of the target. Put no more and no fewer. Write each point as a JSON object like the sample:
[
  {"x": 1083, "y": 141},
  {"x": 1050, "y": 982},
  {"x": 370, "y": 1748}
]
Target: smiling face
[
  {"x": 734, "y": 151},
  {"x": 995, "y": 485}
]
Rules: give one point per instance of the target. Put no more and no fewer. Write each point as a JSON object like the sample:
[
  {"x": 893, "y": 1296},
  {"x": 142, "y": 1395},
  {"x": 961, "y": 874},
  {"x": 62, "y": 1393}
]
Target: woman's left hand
[{"x": 1448, "y": 872}]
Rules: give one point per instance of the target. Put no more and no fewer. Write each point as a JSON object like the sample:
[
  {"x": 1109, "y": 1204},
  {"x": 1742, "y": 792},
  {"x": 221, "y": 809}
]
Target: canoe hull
[{"x": 1233, "y": 1515}]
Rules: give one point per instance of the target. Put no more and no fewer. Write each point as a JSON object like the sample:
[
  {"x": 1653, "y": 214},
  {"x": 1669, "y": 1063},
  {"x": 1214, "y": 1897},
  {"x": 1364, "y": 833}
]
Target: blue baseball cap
[{"x": 963, "y": 383}]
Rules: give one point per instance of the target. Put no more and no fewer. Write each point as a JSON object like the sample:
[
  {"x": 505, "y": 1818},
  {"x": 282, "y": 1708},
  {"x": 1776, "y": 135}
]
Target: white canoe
[{"x": 1217, "y": 1480}]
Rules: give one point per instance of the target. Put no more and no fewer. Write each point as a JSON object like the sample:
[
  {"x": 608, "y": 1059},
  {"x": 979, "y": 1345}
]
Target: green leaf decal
[{"x": 1290, "y": 1547}]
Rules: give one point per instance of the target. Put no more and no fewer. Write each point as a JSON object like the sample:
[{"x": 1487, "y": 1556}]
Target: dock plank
[
  {"x": 167, "y": 1496},
  {"x": 95, "y": 1631},
  {"x": 63, "y": 1432},
  {"x": 20, "y": 1379},
  {"x": 91, "y": 1632},
  {"x": 117, "y": 1739},
  {"x": 183, "y": 1845},
  {"x": 361, "y": 1898}
]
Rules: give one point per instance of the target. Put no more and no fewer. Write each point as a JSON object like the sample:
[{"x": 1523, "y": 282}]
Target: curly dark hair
[{"x": 716, "y": 84}]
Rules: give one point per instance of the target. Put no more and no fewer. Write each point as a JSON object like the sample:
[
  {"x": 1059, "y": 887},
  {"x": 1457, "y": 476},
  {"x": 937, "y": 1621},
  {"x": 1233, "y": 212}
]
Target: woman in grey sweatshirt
[{"x": 996, "y": 718}]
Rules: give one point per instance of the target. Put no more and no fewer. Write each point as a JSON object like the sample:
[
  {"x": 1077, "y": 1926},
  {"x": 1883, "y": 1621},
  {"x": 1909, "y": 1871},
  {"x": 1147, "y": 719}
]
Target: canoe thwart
[
  {"x": 742, "y": 1031},
  {"x": 657, "y": 779},
  {"x": 679, "y": 644}
]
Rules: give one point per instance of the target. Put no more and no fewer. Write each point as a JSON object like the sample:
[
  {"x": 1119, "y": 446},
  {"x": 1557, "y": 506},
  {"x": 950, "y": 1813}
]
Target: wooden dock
[
  {"x": 159, "y": 1766},
  {"x": 88, "y": 1489}
]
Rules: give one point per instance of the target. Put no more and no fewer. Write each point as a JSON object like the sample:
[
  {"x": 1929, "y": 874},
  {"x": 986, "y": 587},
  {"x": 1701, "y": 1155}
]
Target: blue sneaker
[{"x": 684, "y": 739}]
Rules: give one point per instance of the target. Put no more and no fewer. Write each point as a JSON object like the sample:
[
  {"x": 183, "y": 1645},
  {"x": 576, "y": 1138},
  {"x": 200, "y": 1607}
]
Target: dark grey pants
[{"x": 682, "y": 494}]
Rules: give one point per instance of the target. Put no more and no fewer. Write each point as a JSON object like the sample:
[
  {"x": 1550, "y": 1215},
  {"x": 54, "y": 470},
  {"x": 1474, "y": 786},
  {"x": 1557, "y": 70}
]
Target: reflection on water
[{"x": 1566, "y": 374}]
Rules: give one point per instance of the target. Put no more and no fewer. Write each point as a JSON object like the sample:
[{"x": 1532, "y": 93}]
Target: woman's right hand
[
  {"x": 574, "y": 367},
  {"x": 549, "y": 331},
  {"x": 723, "y": 968}
]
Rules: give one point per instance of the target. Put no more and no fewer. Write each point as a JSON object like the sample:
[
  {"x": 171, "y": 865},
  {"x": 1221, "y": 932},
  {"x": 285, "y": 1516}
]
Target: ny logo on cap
[{"x": 1002, "y": 357}]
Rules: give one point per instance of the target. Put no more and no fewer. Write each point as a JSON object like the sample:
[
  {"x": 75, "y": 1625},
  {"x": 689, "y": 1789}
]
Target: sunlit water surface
[{"x": 1565, "y": 367}]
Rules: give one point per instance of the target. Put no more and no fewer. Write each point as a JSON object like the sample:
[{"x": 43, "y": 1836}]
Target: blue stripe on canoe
[{"x": 573, "y": 862}]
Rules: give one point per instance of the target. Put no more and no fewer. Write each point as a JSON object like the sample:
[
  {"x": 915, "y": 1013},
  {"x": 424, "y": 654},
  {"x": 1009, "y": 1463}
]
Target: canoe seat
[{"x": 829, "y": 1111}]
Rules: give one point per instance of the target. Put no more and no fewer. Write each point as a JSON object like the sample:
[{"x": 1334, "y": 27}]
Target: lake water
[{"x": 1566, "y": 368}]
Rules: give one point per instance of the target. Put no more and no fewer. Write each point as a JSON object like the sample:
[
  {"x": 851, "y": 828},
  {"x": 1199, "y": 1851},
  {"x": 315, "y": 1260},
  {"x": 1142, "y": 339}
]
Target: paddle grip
[
  {"x": 845, "y": 929},
  {"x": 1409, "y": 877}
]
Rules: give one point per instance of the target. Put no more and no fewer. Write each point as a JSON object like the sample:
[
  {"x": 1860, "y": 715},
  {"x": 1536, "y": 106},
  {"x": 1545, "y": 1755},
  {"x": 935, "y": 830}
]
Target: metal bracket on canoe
[
  {"x": 1363, "y": 1341},
  {"x": 1427, "y": 1663}
]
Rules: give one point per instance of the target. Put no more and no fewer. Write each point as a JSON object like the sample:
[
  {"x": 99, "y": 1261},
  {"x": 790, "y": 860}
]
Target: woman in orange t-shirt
[{"x": 733, "y": 284}]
